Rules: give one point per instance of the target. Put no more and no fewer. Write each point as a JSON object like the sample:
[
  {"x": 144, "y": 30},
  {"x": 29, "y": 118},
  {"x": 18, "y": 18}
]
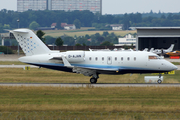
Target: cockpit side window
[{"x": 153, "y": 57}]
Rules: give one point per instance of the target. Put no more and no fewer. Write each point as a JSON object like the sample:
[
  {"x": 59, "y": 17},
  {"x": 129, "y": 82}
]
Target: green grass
[
  {"x": 176, "y": 63},
  {"x": 12, "y": 63},
  {"x": 89, "y": 101},
  {"x": 106, "y": 99},
  {"x": 36, "y": 75},
  {"x": 80, "y": 101}
]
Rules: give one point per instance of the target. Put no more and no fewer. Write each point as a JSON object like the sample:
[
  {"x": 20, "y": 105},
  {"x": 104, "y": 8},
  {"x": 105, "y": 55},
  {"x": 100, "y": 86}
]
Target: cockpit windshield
[{"x": 154, "y": 57}]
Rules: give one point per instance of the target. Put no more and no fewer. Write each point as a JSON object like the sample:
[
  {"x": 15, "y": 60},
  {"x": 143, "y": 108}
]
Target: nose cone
[
  {"x": 175, "y": 67},
  {"x": 172, "y": 66},
  {"x": 168, "y": 66}
]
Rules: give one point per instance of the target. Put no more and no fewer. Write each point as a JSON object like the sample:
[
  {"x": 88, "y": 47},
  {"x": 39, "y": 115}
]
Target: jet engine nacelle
[{"x": 75, "y": 56}]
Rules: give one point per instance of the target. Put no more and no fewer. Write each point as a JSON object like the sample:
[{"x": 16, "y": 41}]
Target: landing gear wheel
[
  {"x": 93, "y": 80},
  {"x": 159, "y": 81}
]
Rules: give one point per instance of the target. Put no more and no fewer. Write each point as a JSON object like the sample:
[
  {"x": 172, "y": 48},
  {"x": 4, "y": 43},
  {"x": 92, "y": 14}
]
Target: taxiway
[{"x": 90, "y": 85}]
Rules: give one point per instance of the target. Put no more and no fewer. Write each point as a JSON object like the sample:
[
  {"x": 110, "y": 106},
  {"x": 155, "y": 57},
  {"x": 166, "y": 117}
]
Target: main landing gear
[
  {"x": 159, "y": 80},
  {"x": 94, "y": 78}
]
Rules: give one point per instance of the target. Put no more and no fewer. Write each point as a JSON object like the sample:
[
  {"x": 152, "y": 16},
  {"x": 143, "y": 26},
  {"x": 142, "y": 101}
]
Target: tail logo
[
  {"x": 27, "y": 44},
  {"x": 30, "y": 43}
]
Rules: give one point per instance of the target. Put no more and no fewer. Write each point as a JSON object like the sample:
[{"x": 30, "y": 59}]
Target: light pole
[{"x": 18, "y": 42}]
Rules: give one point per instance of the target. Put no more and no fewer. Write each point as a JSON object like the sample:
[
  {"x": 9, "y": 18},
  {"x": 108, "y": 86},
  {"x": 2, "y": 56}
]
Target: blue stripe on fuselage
[
  {"x": 103, "y": 69},
  {"x": 91, "y": 66}
]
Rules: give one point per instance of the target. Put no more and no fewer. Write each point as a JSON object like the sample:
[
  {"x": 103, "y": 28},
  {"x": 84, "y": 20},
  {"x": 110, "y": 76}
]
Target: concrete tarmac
[
  {"x": 90, "y": 85},
  {"x": 17, "y": 66}
]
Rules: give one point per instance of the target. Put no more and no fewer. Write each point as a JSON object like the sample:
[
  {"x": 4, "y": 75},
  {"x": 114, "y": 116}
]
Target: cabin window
[
  {"x": 153, "y": 57},
  {"x": 102, "y": 58},
  {"x": 90, "y": 58},
  {"x": 121, "y": 58},
  {"x": 128, "y": 58},
  {"x": 96, "y": 58},
  {"x": 115, "y": 58},
  {"x": 134, "y": 58}
]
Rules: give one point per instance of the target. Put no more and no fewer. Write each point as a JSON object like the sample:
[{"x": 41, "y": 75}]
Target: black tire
[
  {"x": 159, "y": 81},
  {"x": 93, "y": 80}
]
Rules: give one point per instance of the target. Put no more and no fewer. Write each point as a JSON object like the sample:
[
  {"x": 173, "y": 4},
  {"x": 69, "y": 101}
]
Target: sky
[{"x": 121, "y": 6}]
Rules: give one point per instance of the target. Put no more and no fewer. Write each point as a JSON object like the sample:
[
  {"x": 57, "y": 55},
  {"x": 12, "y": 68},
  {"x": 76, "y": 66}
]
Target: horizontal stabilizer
[{"x": 21, "y": 31}]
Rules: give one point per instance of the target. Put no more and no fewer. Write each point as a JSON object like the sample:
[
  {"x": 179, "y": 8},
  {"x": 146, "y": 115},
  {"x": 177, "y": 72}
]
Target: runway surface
[
  {"x": 90, "y": 85},
  {"x": 17, "y": 66}
]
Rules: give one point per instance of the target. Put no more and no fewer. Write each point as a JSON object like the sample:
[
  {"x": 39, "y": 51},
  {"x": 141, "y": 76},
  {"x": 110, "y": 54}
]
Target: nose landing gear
[{"x": 159, "y": 80}]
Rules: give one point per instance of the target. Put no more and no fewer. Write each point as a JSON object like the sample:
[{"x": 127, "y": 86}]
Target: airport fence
[{"x": 67, "y": 115}]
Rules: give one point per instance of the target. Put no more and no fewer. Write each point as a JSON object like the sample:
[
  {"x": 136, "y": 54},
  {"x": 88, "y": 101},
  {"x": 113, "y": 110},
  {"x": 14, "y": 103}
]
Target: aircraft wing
[
  {"x": 97, "y": 68},
  {"x": 90, "y": 71},
  {"x": 87, "y": 70}
]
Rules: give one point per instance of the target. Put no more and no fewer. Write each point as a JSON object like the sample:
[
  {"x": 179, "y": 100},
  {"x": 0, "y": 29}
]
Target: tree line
[
  {"x": 106, "y": 39},
  {"x": 8, "y": 19}
]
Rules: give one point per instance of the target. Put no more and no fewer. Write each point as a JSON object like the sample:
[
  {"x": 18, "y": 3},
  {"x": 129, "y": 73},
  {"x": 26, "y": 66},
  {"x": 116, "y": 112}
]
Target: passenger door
[{"x": 109, "y": 60}]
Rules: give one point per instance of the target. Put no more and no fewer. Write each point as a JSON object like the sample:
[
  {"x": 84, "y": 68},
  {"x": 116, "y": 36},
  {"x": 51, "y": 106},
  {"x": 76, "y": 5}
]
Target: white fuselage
[
  {"x": 105, "y": 62},
  {"x": 88, "y": 63}
]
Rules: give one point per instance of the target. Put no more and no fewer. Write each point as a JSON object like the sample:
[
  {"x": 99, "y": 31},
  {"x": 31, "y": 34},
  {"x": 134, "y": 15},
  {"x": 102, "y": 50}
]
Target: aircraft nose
[
  {"x": 173, "y": 67},
  {"x": 169, "y": 66}
]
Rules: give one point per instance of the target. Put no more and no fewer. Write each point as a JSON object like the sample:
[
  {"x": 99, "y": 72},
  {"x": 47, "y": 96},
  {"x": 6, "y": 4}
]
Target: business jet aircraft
[
  {"x": 88, "y": 63},
  {"x": 162, "y": 51},
  {"x": 175, "y": 53}
]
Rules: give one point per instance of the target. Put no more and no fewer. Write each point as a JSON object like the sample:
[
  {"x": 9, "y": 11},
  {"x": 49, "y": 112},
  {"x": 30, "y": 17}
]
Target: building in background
[
  {"x": 71, "y": 5},
  {"x": 157, "y": 37},
  {"x": 116, "y": 26},
  {"x": 66, "y": 5},
  {"x": 127, "y": 40},
  {"x": 68, "y": 26},
  {"x": 24, "y": 5}
]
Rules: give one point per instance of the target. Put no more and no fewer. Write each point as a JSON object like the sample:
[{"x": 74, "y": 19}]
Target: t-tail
[
  {"x": 29, "y": 42},
  {"x": 171, "y": 48}
]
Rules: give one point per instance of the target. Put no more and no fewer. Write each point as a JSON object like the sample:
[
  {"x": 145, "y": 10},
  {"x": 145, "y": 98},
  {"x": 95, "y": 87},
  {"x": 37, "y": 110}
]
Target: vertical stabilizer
[
  {"x": 151, "y": 50},
  {"x": 171, "y": 48},
  {"x": 29, "y": 42}
]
